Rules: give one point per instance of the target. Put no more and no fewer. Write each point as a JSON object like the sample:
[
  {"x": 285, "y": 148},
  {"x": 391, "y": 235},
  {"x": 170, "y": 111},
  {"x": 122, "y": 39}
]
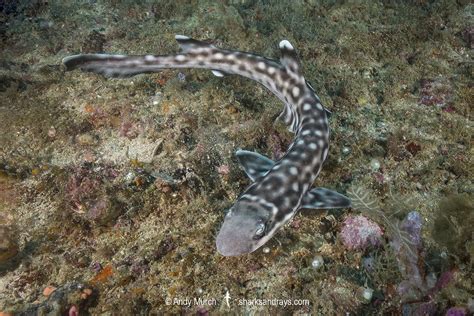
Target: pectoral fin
[
  {"x": 254, "y": 164},
  {"x": 321, "y": 198}
]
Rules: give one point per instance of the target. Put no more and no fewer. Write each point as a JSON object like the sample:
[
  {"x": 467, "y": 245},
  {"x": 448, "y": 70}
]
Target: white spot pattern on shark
[{"x": 280, "y": 188}]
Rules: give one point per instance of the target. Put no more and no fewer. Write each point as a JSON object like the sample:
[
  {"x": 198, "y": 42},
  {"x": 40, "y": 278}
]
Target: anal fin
[
  {"x": 218, "y": 73},
  {"x": 288, "y": 117}
]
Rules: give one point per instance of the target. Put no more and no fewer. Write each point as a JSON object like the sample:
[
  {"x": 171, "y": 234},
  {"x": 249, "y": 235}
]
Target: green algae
[{"x": 367, "y": 61}]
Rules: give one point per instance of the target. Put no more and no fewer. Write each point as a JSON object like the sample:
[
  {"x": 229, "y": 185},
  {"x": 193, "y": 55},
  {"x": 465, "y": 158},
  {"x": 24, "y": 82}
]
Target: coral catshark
[{"x": 280, "y": 188}]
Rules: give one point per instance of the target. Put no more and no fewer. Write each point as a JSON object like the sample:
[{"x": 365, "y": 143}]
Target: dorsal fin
[
  {"x": 187, "y": 44},
  {"x": 289, "y": 59}
]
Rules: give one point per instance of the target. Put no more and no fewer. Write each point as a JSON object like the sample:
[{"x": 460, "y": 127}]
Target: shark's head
[{"x": 246, "y": 228}]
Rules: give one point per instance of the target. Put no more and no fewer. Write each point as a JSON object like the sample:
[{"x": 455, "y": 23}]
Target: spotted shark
[{"x": 279, "y": 188}]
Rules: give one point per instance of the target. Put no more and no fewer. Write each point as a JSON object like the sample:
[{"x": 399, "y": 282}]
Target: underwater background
[{"x": 112, "y": 191}]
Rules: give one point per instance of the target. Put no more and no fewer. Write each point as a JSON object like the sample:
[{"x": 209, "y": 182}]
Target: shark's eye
[{"x": 260, "y": 230}]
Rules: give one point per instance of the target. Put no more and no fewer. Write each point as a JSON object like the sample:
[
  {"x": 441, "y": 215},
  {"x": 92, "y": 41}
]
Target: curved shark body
[{"x": 280, "y": 188}]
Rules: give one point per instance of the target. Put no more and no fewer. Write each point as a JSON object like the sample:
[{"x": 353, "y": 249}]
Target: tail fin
[
  {"x": 118, "y": 66},
  {"x": 122, "y": 66}
]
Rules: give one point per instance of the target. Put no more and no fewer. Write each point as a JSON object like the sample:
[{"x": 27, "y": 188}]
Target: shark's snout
[
  {"x": 229, "y": 245},
  {"x": 236, "y": 236}
]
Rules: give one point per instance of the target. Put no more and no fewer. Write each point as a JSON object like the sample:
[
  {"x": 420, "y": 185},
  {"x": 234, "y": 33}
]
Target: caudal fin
[
  {"x": 118, "y": 66},
  {"x": 122, "y": 66}
]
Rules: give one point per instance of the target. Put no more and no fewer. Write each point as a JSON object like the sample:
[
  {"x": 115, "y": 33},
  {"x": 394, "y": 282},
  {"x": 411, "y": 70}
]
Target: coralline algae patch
[{"x": 359, "y": 232}]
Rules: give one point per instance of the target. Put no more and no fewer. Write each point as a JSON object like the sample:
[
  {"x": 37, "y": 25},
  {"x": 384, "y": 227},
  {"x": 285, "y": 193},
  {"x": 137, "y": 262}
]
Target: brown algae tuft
[{"x": 453, "y": 226}]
